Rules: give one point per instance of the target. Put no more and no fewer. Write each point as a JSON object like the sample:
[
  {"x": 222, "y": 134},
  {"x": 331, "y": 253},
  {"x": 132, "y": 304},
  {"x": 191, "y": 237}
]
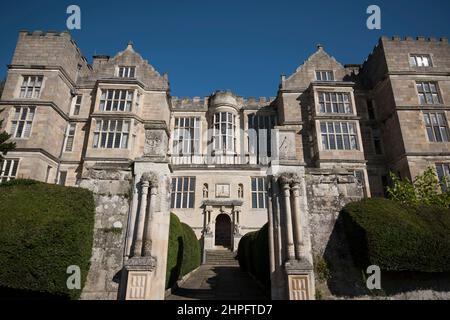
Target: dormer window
[
  {"x": 326, "y": 75},
  {"x": 127, "y": 72},
  {"x": 420, "y": 60}
]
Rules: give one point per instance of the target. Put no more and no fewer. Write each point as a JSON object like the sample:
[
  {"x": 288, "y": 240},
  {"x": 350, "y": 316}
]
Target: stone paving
[{"x": 212, "y": 282}]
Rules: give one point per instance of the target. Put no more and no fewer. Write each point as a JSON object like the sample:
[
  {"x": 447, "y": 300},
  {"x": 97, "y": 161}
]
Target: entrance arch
[{"x": 223, "y": 231}]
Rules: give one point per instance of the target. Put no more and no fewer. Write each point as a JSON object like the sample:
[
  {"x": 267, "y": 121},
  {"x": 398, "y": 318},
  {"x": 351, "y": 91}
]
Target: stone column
[
  {"x": 149, "y": 232},
  {"x": 271, "y": 231},
  {"x": 296, "y": 218},
  {"x": 287, "y": 207},
  {"x": 141, "y": 219},
  {"x": 207, "y": 232},
  {"x": 299, "y": 272}
]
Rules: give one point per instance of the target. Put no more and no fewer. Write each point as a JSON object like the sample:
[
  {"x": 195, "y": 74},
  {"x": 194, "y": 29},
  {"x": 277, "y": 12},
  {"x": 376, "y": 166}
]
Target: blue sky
[{"x": 241, "y": 45}]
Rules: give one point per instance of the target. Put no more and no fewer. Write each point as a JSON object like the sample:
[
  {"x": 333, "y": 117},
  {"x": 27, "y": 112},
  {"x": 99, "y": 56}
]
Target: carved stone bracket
[
  {"x": 289, "y": 178},
  {"x": 151, "y": 178}
]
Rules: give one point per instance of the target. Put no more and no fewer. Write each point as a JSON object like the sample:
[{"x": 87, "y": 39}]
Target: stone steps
[{"x": 222, "y": 257}]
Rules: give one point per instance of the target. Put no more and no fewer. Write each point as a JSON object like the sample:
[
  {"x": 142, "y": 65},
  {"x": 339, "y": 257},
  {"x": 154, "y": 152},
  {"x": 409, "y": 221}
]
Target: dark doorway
[{"x": 223, "y": 231}]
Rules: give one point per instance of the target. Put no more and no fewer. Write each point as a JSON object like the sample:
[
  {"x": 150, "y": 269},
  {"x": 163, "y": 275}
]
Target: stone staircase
[{"x": 221, "y": 258}]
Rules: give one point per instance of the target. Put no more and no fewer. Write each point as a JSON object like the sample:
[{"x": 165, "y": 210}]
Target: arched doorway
[{"x": 223, "y": 231}]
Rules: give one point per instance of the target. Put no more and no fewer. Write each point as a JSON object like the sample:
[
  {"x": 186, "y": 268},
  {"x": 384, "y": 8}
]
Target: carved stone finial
[{"x": 151, "y": 178}]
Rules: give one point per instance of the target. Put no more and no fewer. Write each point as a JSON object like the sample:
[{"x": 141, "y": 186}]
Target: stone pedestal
[
  {"x": 300, "y": 280},
  {"x": 140, "y": 278},
  {"x": 145, "y": 261}
]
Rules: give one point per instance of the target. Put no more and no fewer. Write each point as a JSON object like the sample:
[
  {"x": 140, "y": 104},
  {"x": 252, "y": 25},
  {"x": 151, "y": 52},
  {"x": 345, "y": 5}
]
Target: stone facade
[{"x": 226, "y": 165}]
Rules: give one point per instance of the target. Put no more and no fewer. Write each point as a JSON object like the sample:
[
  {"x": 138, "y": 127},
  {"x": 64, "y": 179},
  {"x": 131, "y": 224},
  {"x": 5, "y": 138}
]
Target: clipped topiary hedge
[
  {"x": 396, "y": 237},
  {"x": 174, "y": 252},
  {"x": 183, "y": 254},
  {"x": 44, "y": 229},
  {"x": 253, "y": 255},
  {"x": 191, "y": 251}
]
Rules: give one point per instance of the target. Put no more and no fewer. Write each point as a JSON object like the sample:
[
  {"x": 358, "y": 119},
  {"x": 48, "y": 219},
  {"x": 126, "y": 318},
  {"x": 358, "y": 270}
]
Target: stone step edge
[{"x": 180, "y": 282}]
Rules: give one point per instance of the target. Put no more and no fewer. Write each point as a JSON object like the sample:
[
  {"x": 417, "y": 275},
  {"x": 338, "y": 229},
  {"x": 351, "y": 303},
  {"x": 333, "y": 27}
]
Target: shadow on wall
[{"x": 346, "y": 280}]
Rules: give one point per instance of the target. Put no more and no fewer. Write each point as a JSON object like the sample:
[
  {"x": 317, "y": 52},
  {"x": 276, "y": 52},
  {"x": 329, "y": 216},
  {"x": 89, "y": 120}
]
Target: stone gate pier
[
  {"x": 145, "y": 258},
  {"x": 289, "y": 236}
]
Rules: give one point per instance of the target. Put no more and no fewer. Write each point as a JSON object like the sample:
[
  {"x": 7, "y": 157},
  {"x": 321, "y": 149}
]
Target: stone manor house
[{"x": 226, "y": 165}]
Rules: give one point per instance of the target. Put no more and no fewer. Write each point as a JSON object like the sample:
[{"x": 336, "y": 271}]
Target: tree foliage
[{"x": 426, "y": 189}]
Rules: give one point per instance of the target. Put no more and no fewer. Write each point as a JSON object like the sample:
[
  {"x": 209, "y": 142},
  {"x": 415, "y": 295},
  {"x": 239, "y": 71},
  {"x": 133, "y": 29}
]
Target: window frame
[
  {"x": 219, "y": 126},
  {"x": 336, "y": 99},
  {"x": 376, "y": 136},
  {"x": 16, "y": 122},
  {"x": 68, "y": 135},
  {"x": 76, "y": 106},
  {"x": 257, "y": 123},
  {"x": 36, "y": 91},
  {"x": 327, "y": 73},
  {"x": 423, "y": 96},
  {"x": 445, "y": 169},
  {"x": 182, "y": 197},
  {"x": 124, "y": 72},
  {"x": 414, "y": 57},
  {"x": 102, "y": 136},
  {"x": 433, "y": 126},
  {"x": 257, "y": 193},
  {"x": 342, "y": 134},
  {"x": 114, "y": 103},
  {"x": 61, "y": 174},
  {"x": 15, "y": 163},
  {"x": 190, "y": 145}
]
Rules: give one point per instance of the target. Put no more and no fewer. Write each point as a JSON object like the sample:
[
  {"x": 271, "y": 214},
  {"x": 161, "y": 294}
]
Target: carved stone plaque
[
  {"x": 222, "y": 190},
  {"x": 286, "y": 146},
  {"x": 299, "y": 288},
  {"x": 156, "y": 143}
]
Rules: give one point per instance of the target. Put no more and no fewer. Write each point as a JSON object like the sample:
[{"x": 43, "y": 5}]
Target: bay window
[
  {"x": 111, "y": 134},
  {"x": 334, "y": 102},
  {"x": 116, "y": 100},
  {"x": 224, "y": 131},
  {"x": 339, "y": 136}
]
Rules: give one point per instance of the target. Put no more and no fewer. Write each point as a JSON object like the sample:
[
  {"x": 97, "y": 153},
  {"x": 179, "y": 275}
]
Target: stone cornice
[
  {"x": 37, "y": 103},
  {"x": 336, "y": 116},
  {"x": 425, "y": 72},
  {"x": 429, "y": 107},
  {"x": 38, "y": 150},
  {"x": 65, "y": 75},
  {"x": 98, "y": 82}
]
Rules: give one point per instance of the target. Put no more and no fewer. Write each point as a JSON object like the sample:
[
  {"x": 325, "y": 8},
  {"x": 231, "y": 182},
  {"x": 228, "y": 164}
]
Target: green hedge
[
  {"x": 191, "y": 250},
  {"x": 396, "y": 237},
  {"x": 44, "y": 229},
  {"x": 183, "y": 254},
  {"x": 253, "y": 255}
]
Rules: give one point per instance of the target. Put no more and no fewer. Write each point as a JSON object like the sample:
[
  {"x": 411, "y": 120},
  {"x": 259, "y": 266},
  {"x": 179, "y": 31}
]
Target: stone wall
[
  {"x": 112, "y": 196},
  {"x": 335, "y": 274}
]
